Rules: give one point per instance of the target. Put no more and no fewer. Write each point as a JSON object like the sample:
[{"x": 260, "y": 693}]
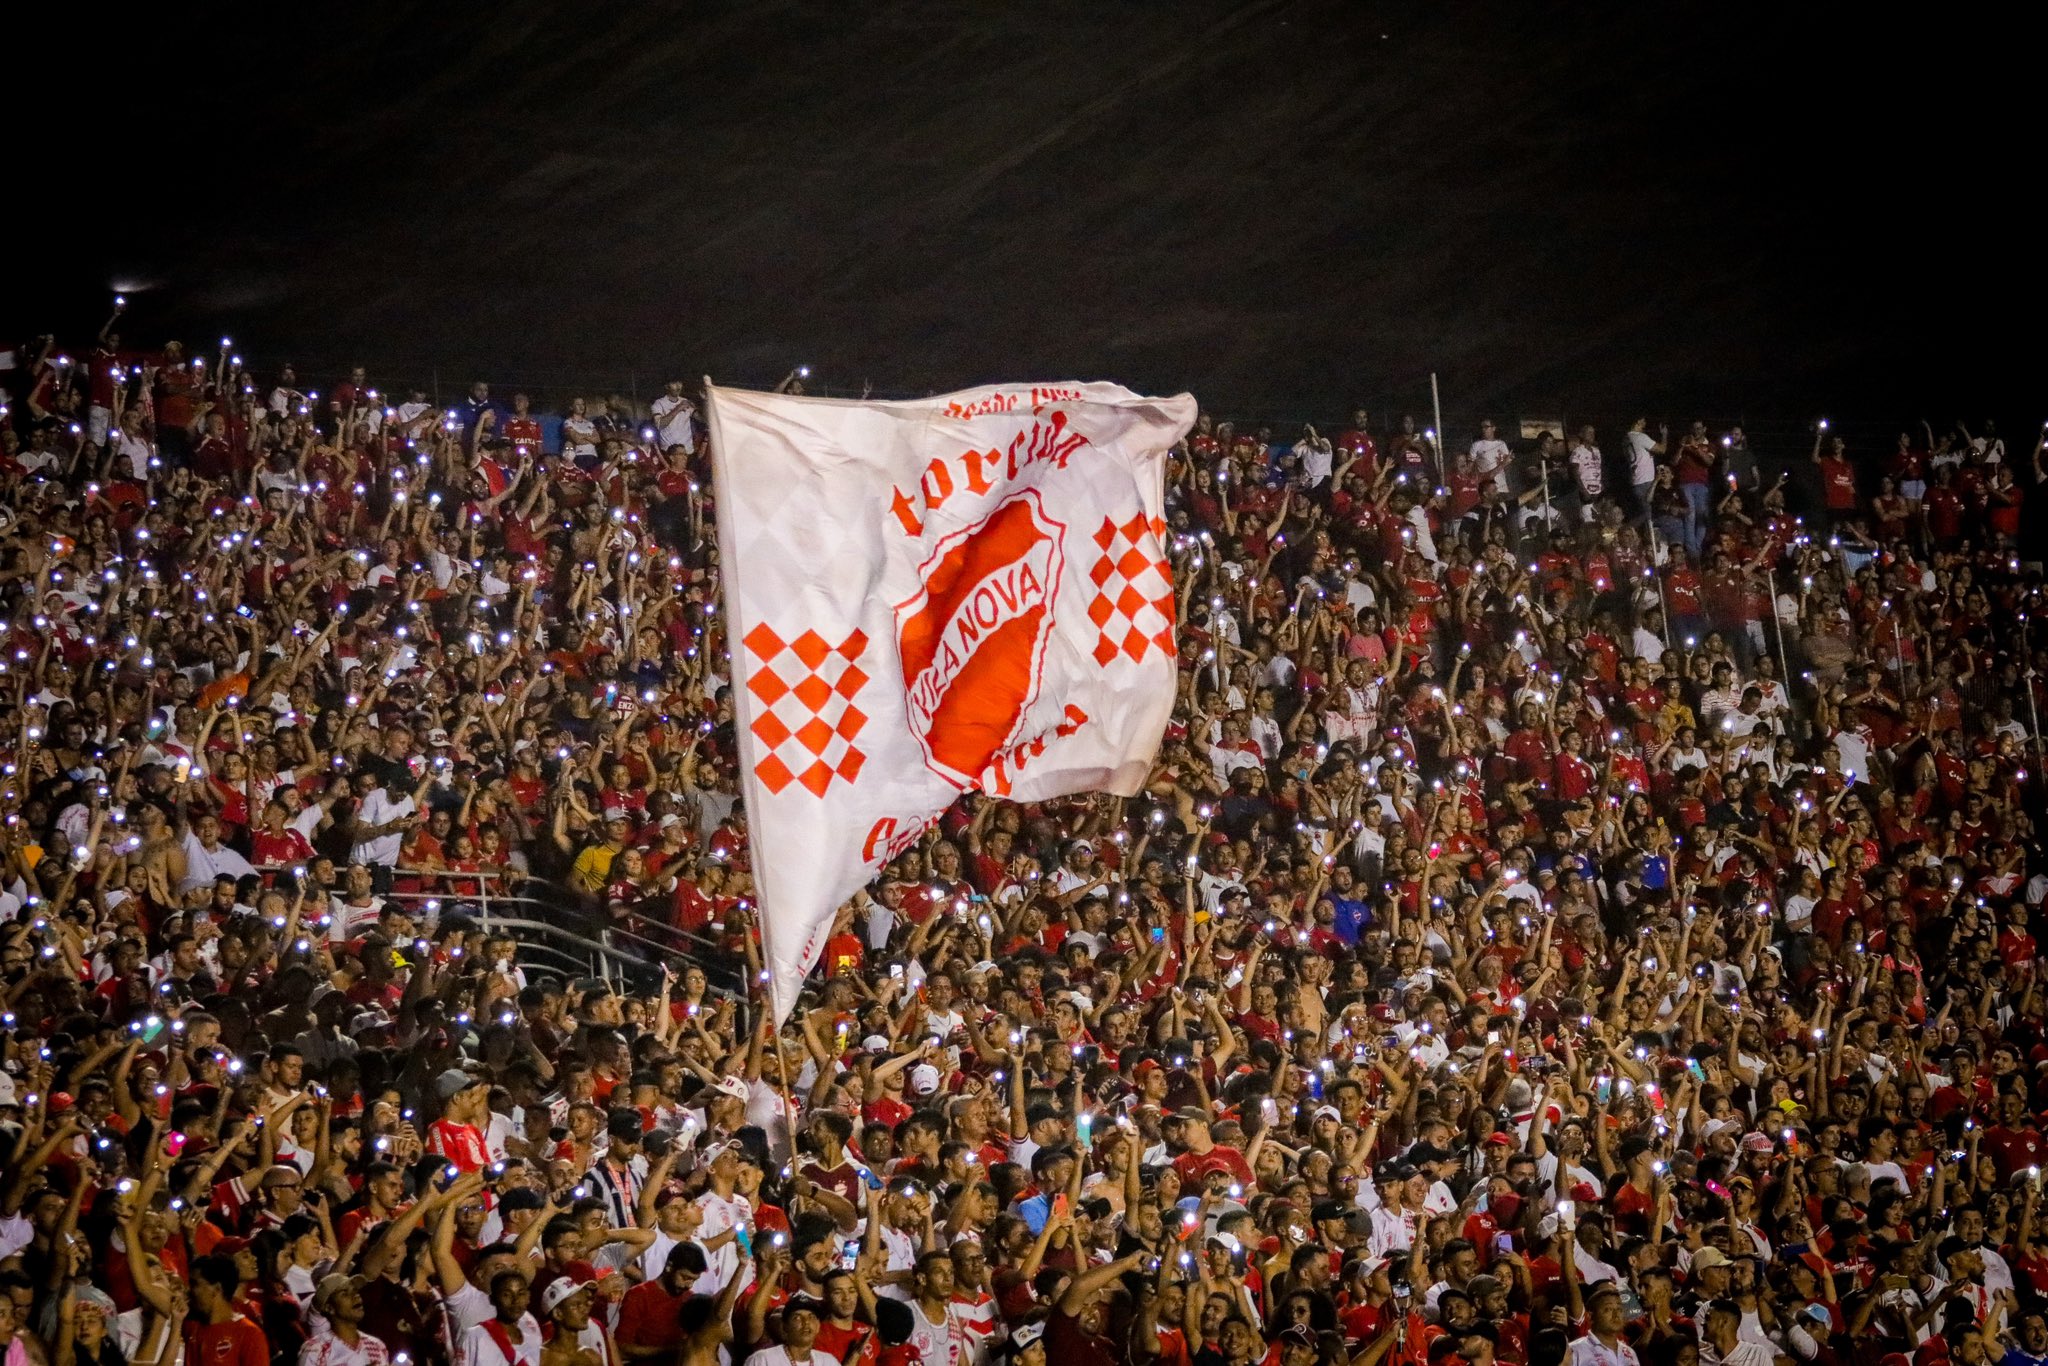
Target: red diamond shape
[
  {"x": 1102, "y": 570},
  {"x": 854, "y": 645},
  {"x": 1134, "y": 530},
  {"x": 1099, "y": 610},
  {"x": 1105, "y": 533},
  {"x": 1134, "y": 644},
  {"x": 817, "y": 778},
  {"x": 1128, "y": 602},
  {"x": 814, "y": 735},
  {"x": 850, "y": 682},
  {"x": 764, "y": 643},
  {"x": 850, "y": 724},
  {"x": 767, "y": 685},
  {"x": 811, "y": 648},
  {"x": 849, "y": 767},
  {"x": 1133, "y": 562},
  {"x": 770, "y": 729},
  {"x": 1104, "y": 651},
  {"x": 813, "y": 691},
  {"x": 773, "y": 773}
]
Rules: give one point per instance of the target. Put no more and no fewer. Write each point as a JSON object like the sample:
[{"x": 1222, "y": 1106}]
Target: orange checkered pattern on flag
[
  {"x": 1133, "y": 606},
  {"x": 807, "y": 726}
]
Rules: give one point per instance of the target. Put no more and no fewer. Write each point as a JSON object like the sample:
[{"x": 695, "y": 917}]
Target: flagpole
[
  {"x": 1436, "y": 404},
  {"x": 788, "y": 1096},
  {"x": 1778, "y": 621},
  {"x": 1657, "y": 573},
  {"x": 2033, "y": 707}
]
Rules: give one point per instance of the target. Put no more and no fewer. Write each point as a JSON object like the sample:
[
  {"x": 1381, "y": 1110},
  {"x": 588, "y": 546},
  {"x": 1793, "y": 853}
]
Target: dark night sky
[{"x": 1277, "y": 204}]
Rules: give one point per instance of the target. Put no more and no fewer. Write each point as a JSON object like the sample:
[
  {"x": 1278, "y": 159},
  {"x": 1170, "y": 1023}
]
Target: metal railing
[{"x": 555, "y": 928}]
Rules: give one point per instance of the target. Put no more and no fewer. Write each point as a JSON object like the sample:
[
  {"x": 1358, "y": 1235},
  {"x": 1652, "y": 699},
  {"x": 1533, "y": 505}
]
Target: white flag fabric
[{"x": 926, "y": 598}]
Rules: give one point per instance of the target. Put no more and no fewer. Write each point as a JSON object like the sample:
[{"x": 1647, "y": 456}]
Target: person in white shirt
[
  {"x": 1602, "y": 1345},
  {"x": 381, "y": 823},
  {"x": 672, "y": 414},
  {"x": 1315, "y": 453},
  {"x": 1490, "y": 457},
  {"x": 1721, "y": 1340},
  {"x": 1642, "y": 459},
  {"x": 801, "y": 1318},
  {"x": 339, "y": 1303},
  {"x": 206, "y": 858},
  {"x": 1590, "y": 469},
  {"x": 723, "y": 1209},
  {"x": 511, "y": 1336},
  {"x": 940, "y": 1330}
]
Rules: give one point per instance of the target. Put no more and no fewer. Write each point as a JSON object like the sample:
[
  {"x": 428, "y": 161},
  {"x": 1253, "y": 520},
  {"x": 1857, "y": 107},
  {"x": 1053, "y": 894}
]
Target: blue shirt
[{"x": 1352, "y": 917}]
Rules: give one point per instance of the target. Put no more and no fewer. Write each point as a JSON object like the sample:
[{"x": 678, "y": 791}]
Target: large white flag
[{"x": 955, "y": 593}]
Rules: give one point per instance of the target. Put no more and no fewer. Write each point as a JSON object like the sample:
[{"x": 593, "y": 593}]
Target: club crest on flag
[{"x": 973, "y": 639}]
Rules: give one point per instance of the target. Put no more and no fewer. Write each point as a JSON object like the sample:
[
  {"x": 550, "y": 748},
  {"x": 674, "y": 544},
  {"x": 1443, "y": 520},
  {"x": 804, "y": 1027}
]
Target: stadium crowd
[{"x": 1583, "y": 912}]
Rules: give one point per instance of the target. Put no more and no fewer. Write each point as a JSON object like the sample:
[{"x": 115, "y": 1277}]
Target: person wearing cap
[
  {"x": 338, "y": 1303},
  {"x": 573, "y": 1337},
  {"x": 725, "y": 1213},
  {"x": 1025, "y": 1345},
  {"x": 1298, "y": 1345},
  {"x": 1710, "y": 1275},
  {"x": 800, "y": 1321},
  {"x": 458, "y": 1135}
]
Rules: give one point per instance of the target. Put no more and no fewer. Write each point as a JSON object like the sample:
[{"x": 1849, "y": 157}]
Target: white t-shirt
[
  {"x": 672, "y": 421},
  {"x": 329, "y": 1350},
  {"x": 1642, "y": 459},
  {"x": 1590, "y": 1351},
  {"x": 203, "y": 865},
  {"x": 479, "y": 1348},
  {"x": 721, "y": 1214},
  {"x": 1587, "y": 464},
  {"x": 948, "y": 1342},
  {"x": 466, "y": 1308},
  {"x": 380, "y": 809},
  {"x": 1490, "y": 461}
]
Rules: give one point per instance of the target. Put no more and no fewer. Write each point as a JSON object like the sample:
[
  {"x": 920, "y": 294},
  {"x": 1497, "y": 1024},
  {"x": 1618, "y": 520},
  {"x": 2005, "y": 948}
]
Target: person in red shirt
[
  {"x": 458, "y": 1135},
  {"x": 657, "y": 1317},
  {"x": 1944, "y": 508},
  {"x": 2014, "y": 1144},
  {"x": 842, "y": 1335},
  {"x": 522, "y": 429},
  {"x": 1966, "y": 1091},
  {"x": 1837, "y": 476},
  {"x": 1529, "y": 750},
  {"x": 275, "y": 844},
  {"x": 1204, "y": 1156},
  {"x": 216, "y": 1334}
]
